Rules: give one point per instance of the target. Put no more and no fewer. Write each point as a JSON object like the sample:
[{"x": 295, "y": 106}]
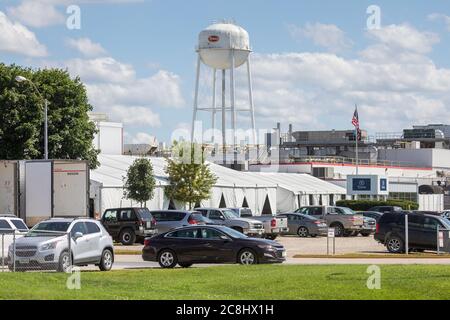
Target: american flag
[
  {"x": 355, "y": 122},
  {"x": 355, "y": 119}
]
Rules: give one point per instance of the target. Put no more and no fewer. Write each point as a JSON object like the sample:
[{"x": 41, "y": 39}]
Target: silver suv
[{"x": 45, "y": 246}]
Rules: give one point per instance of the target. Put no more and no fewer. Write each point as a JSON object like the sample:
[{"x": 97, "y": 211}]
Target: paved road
[
  {"x": 295, "y": 245},
  {"x": 136, "y": 262}
]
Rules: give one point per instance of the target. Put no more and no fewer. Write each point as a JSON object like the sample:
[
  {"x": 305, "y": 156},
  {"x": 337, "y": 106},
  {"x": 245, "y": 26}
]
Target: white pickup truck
[{"x": 273, "y": 226}]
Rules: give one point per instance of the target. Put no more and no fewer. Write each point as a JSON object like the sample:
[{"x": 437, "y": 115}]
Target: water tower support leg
[
  {"x": 250, "y": 96},
  {"x": 233, "y": 110},
  {"x": 213, "y": 107},
  {"x": 195, "y": 99},
  {"x": 224, "y": 124}
]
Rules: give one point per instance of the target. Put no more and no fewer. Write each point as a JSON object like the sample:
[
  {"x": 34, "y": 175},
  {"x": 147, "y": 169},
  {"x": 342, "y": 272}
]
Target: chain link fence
[{"x": 36, "y": 250}]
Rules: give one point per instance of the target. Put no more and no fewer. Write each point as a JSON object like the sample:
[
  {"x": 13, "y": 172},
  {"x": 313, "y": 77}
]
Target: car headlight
[
  {"x": 265, "y": 246},
  {"x": 49, "y": 246}
]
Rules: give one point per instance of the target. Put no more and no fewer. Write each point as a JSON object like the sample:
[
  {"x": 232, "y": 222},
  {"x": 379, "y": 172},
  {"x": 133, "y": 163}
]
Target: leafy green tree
[
  {"x": 140, "y": 181},
  {"x": 22, "y": 117},
  {"x": 190, "y": 179}
]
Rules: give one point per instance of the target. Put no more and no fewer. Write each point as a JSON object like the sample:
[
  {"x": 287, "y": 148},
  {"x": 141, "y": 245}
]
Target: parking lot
[{"x": 314, "y": 246}]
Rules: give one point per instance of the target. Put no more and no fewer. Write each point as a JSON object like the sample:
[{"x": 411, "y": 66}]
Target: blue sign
[
  {"x": 361, "y": 184},
  {"x": 383, "y": 184}
]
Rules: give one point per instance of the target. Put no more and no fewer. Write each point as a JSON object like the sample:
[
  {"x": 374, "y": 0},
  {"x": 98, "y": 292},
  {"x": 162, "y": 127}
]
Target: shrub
[{"x": 363, "y": 205}]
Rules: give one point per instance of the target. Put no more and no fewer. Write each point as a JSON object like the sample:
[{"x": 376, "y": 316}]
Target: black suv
[
  {"x": 128, "y": 225},
  {"x": 422, "y": 230},
  {"x": 384, "y": 209}
]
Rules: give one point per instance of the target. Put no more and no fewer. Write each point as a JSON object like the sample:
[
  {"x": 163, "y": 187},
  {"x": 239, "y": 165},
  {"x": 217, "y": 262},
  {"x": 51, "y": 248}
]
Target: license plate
[
  {"x": 148, "y": 224},
  {"x": 283, "y": 254},
  {"x": 25, "y": 261}
]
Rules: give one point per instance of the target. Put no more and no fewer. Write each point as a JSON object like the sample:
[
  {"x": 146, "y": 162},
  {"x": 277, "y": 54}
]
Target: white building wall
[{"x": 109, "y": 138}]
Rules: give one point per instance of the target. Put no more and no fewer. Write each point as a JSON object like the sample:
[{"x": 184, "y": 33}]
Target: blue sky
[{"x": 312, "y": 60}]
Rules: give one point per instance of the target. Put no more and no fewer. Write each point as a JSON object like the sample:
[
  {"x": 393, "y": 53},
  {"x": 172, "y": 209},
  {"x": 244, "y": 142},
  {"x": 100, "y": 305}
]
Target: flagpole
[
  {"x": 357, "y": 155},
  {"x": 356, "y": 140}
]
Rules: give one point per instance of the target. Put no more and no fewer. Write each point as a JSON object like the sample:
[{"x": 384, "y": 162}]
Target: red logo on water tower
[{"x": 213, "y": 38}]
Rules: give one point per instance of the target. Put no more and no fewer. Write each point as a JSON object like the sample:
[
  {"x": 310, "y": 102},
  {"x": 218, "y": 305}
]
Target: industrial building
[{"x": 412, "y": 160}]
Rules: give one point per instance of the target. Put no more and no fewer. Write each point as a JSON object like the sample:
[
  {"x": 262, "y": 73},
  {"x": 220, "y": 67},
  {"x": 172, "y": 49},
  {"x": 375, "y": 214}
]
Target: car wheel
[
  {"x": 302, "y": 232},
  {"x": 338, "y": 229},
  {"x": 271, "y": 236},
  {"x": 247, "y": 256},
  {"x": 365, "y": 234},
  {"x": 107, "y": 260},
  {"x": 65, "y": 262},
  {"x": 394, "y": 244},
  {"x": 313, "y": 235},
  {"x": 184, "y": 264},
  {"x": 167, "y": 259},
  {"x": 127, "y": 237}
]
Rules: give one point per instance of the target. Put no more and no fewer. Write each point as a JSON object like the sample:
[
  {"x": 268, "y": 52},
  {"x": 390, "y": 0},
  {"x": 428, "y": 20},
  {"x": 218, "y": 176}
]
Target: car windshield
[
  {"x": 246, "y": 213},
  {"x": 19, "y": 225},
  {"x": 233, "y": 233},
  {"x": 49, "y": 228},
  {"x": 446, "y": 223},
  {"x": 347, "y": 210},
  {"x": 145, "y": 214},
  {"x": 229, "y": 214}
]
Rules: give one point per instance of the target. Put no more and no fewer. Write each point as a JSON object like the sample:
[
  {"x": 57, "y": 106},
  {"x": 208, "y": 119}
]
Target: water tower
[{"x": 224, "y": 46}]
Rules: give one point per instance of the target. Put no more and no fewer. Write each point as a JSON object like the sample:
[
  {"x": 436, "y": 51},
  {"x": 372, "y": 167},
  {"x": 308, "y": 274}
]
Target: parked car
[
  {"x": 369, "y": 226},
  {"x": 304, "y": 225},
  {"x": 446, "y": 214},
  {"x": 371, "y": 214},
  {"x": 273, "y": 225},
  {"x": 10, "y": 227},
  {"x": 384, "y": 209},
  {"x": 171, "y": 219},
  {"x": 210, "y": 244},
  {"x": 344, "y": 220},
  {"x": 128, "y": 225},
  {"x": 228, "y": 218},
  {"x": 46, "y": 246},
  {"x": 422, "y": 230}
]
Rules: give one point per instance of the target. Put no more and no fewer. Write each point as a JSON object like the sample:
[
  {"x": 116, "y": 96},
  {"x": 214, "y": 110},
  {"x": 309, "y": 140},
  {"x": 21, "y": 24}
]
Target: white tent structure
[
  {"x": 268, "y": 193},
  {"x": 295, "y": 190}
]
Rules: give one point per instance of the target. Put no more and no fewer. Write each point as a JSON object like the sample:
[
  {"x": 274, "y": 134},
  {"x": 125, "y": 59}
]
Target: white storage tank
[{"x": 218, "y": 40}]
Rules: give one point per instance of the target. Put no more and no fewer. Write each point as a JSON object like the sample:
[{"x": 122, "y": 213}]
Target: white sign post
[{"x": 331, "y": 234}]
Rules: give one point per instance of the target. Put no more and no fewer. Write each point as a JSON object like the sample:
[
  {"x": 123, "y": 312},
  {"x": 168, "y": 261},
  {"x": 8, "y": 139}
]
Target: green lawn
[{"x": 236, "y": 282}]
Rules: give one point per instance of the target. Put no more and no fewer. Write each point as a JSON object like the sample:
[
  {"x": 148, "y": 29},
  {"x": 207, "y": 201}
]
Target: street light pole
[
  {"x": 23, "y": 79},
  {"x": 45, "y": 129}
]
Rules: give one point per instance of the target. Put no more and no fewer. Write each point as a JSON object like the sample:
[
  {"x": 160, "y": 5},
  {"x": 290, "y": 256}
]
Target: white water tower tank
[{"x": 216, "y": 42}]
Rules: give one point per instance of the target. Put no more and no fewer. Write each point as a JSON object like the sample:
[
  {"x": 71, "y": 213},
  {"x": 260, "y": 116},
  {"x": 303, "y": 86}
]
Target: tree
[
  {"x": 190, "y": 179},
  {"x": 22, "y": 117},
  {"x": 139, "y": 184}
]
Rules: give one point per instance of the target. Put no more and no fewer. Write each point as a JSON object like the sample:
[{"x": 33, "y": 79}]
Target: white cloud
[
  {"x": 114, "y": 88},
  {"x": 130, "y": 115},
  {"x": 142, "y": 138},
  {"x": 44, "y": 13},
  {"x": 440, "y": 17},
  {"x": 394, "y": 83},
  {"x": 104, "y": 69},
  {"x": 36, "y": 14},
  {"x": 405, "y": 37},
  {"x": 159, "y": 90},
  {"x": 86, "y": 47},
  {"x": 16, "y": 38},
  {"x": 328, "y": 36}
]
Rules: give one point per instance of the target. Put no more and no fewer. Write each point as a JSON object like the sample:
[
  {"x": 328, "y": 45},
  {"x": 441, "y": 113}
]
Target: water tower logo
[{"x": 213, "y": 38}]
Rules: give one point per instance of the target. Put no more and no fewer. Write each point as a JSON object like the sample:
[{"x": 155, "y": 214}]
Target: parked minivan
[
  {"x": 128, "y": 225},
  {"x": 171, "y": 219},
  {"x": 422, "y": 230}
]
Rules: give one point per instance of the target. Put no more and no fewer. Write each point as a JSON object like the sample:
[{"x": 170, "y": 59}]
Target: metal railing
[{"x": 349, "y": 161}]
